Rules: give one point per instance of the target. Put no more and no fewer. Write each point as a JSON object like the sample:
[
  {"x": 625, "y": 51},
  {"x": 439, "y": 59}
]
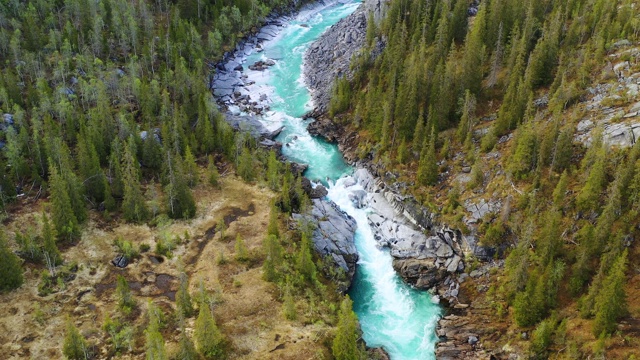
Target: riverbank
[
  {"x": 441, "y": 270},
  {"x": 270, "y": 76}
]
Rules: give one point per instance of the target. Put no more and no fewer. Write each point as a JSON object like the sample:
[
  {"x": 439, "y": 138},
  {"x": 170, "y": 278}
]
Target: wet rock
[
  {"x": 120, "y": 261},
  {"x": 330, "y": 55},
  {"x": 334, "y": 236}
]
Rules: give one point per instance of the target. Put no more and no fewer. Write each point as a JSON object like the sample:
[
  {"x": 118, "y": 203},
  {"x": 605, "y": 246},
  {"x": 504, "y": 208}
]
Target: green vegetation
[
  {"x": 209, "y": 340},
  {"x": 440, "y": 72},
  {"x": 10, "y": 267},
  {"x": 346, "y": 344},
  {"x": 75, "y": 346}
]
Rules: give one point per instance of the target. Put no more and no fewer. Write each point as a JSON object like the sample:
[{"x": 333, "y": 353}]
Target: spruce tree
[
  {"x": 209, "y": 340},
  {"x": 134, "y": 206},
  {"x": 64, "y": 219},
  {"x": 190, "y": 168},
  {"x": 289, "y": 304},
  {"x": 187, "y": 350},
  {"x": 304, "y": 261},
  {"x": 273, "y": 251},
  {"x": 345, "y": 344},
  {"x": 10, "y": 268},
  {"x": 180, "y": 202},
  {"x": 50, "y": 250},
  {"x": 428, "y": 166},
  {"x": 242, "y": 254},
  {"x": 611, "y": 302},
  {"x": 183, "y": 299},
  {"x": 589, "y": 196},
  {"x": 246, "y": 169},
  {"x": 90, "y": 171},
  {"x": 273, "y": 171},
  {"x": 75, "y": 346},
  {"x": 154, "y": 342},
  {"x": 126, "y": 302}
]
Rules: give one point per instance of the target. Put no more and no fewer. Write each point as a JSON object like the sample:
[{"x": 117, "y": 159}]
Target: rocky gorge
[{"x": 426, "y": 254}]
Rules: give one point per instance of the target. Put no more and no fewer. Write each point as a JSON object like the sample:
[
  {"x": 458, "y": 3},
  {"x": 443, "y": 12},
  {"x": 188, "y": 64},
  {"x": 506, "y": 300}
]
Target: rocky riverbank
[{"x": 427, "y": 255}]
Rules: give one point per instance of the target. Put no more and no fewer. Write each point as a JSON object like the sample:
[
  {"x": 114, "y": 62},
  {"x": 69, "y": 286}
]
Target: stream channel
[{"x": 392, "y": 314}]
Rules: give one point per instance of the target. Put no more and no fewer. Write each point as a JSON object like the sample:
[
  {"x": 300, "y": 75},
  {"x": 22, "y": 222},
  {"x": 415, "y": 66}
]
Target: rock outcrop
[
  {"x": 334, "y": 236},
  {"x": 329, "y": 57}
]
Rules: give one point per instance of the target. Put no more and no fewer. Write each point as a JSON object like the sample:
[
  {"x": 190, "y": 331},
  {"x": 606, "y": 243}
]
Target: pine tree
[
  {"x": 242, "y": 253},
  {"x": 305, "y": 265},
  {"x": 428, "y": 166},
  {"x": 272, "y": 228},
  {"x": 289, "y": 304},
  {"x": 134, "y": 206},
  {"x": 190, "y": 168},
  {"x": 589, "y": 196},
  {"x": 246, "y": 168},
  {"x": 10, "y": 268},
  {"x": 50, "y": 250},
  {"x": 611, "y": 303},
  {"x": 64, "y": 219},
  {"x": 345, "y": 345},
  {"x": 126, "y": 302},
  {"x": 75, "y": 346},
  {"x": 559, "y": 193},
  {"x": 273, "y": 171},
  {"x": 273, "y": 260},
  {"x": 90, "y": 171},
  {"x": 180, "y": 200},
  {"x": 187, "y": 350},
  {"x": 154, "y": 342},
  {"x": 183, "y": 299},
  {"x": 209, "y": 340}
]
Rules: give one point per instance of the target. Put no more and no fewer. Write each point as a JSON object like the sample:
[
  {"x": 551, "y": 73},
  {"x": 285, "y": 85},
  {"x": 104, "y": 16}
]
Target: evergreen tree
[
  {"x": 190, "y": 168},
  {"x": 209, "y": 340},
  {"x": 273, "y": 260},
  {"x": 345, "y": 345},
  {"x": 183, "y": 299},
  {"x": 181, "y": 204},
  {"x": 246, "y": 168},
  {"x": 289, "y": 304},
  {"x": 10, "y": 268},
  {"x": 428, "y": 166},
  {"x": 304, "y": 262},
  {"x": 75, "y": 346},
  {"x": 154, "y": 342},
  {"x": 50, "y": 250},
  {"x": 611, "y": 302},
  {"x": 134, "y": 206},
  {"x": 90, "y": 171},
  {"x": 272, "y": 228},
  {"x": 64, "y": 219},
  {"x": 242, "y": 254},
  {"x": 589, "y": 196},
  {"x": 187, "y": 350},
  {"x": 126, "y": 302},
  {"x": 273, "y": 171},
  {"x": 559, "y": 193}
]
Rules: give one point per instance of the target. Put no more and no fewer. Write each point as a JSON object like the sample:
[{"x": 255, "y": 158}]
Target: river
[{"x": 392, "y": 315}]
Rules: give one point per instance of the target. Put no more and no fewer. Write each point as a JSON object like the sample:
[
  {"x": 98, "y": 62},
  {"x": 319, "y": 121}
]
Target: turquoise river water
[{"x": 392, "y": 315}]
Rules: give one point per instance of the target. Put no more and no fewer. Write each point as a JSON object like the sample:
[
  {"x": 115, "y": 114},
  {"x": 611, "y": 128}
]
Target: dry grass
[{"x": 248, "y": 313}]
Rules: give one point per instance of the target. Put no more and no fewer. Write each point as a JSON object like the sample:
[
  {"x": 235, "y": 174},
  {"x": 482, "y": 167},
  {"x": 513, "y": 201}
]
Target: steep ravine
[{"x": 435, "y": 262}]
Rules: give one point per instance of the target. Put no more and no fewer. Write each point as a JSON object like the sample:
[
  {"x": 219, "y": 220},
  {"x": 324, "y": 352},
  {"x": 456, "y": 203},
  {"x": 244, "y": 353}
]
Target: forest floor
[{"x": 247, "y": 307}]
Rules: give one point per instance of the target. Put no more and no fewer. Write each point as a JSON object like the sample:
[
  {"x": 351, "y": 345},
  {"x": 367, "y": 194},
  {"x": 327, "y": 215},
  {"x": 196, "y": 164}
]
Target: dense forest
[
  {"x": 522, "y": 67},
  {"x": 107, "y": 111}
]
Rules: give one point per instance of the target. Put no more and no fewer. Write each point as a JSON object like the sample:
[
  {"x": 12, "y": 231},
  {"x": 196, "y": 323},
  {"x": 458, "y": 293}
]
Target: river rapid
[{"x": 392, "y": 315}]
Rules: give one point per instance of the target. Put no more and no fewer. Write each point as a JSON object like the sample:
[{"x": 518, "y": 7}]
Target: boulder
[{"x": 334, "y": 237}]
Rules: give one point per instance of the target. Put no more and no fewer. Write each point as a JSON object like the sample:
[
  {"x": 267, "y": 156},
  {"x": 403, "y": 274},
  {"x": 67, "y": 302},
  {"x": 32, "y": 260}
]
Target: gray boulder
[{"x": 334, "y": 237}]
